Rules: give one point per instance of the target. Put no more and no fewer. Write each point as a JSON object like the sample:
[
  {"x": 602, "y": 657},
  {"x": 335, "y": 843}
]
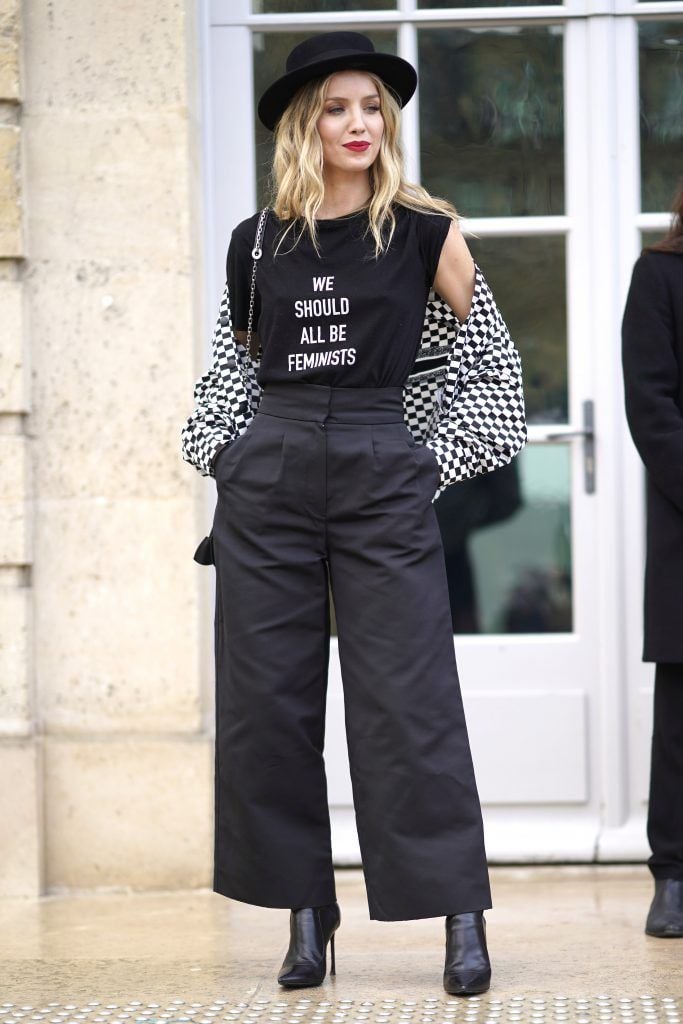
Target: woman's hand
[{"x": 454, "y": 280}]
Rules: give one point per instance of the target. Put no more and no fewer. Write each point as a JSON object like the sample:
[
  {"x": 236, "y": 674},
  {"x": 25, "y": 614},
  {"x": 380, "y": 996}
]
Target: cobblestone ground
[{"x": 567, "y": 947}]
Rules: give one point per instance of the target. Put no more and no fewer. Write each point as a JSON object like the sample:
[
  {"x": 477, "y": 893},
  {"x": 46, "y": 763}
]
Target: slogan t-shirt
[{"x": 341, "y": 318}]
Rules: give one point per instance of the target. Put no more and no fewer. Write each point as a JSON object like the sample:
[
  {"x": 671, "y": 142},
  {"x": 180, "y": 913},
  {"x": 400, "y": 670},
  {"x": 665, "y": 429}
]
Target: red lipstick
[{"x": 360, "y": 147}]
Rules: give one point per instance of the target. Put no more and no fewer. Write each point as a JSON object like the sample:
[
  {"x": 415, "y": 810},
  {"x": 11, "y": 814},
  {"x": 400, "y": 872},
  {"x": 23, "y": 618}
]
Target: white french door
[{"x": 548, "y": 625}]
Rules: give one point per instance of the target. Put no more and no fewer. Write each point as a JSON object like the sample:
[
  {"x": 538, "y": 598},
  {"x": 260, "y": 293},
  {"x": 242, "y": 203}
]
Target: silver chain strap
[{"x": 256, "y": 254}]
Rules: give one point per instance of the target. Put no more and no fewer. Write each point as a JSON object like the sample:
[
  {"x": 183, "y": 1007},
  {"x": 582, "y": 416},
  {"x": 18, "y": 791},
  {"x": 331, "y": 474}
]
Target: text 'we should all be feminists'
[{"x": 323, "y": 331}]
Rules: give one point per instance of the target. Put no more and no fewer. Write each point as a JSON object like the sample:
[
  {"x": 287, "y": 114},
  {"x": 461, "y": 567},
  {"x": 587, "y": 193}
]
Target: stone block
[
  {"x": 13, "y": 375},
  {"x": 20, "y": 839},
  {"x": 120, "y": 192},
  {"x": 15, "y": 535},
  {"x": 11, "y": 240},
  {"x": 15, "y": 703},
  {"x": 129, "y": 812},
  {"x": 113, "y": 382},
  {"x": 108, "y": 55},
  {"x": 116, "y": 616},
  {"x": 9, "y": 50}
]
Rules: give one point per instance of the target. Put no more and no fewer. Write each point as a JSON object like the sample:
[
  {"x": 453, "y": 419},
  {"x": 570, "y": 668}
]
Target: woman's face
[{"x": 351, "y": 115}]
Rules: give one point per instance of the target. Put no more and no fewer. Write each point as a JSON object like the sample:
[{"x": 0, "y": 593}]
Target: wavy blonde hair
[{"x": 296, "y": 180}]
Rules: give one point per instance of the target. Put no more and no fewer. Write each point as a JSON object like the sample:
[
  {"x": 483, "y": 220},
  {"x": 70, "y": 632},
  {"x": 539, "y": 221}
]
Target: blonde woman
[{"x": 303, "y": 421}]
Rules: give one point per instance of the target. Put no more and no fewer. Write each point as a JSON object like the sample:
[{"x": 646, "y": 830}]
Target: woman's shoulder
[
  {"x": 430, "y": 227},
  {"x": 422, "y": 212},
  {"x": 659, "y": 258},
  {"x": 653, "y": 266},
  {"x": 427, "y": 223},
  {"x": 246, "y": 229}
]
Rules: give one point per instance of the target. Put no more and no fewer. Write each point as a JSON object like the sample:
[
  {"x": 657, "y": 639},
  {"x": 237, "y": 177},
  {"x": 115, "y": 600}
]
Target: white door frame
[{"x": 602, "y": 210}]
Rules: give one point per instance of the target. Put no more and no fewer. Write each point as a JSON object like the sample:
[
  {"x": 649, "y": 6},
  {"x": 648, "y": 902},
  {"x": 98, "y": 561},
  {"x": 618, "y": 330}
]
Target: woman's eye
[{"x": 333, "y": 110}]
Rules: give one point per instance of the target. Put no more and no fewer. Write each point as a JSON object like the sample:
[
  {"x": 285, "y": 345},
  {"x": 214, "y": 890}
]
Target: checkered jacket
[{"x": 463, "y": 399}]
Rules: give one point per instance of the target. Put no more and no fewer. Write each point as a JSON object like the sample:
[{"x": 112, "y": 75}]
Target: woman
[
  {"x": 652, "y": 354},
  {"x": 320, "y": 479}
]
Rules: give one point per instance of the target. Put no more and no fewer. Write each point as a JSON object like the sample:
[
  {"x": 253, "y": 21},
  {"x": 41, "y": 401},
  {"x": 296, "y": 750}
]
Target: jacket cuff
[{"x": 440, "y": 484}]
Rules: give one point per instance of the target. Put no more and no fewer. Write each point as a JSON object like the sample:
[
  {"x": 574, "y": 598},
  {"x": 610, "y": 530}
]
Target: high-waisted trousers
[{"x": 327, "y": 486}]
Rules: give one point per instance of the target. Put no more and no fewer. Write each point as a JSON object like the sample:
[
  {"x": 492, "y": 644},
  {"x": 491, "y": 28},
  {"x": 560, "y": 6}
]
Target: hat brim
[{"x": 394, "y": 71}]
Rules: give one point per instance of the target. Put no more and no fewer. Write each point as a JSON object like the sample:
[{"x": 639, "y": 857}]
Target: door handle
[{"x": 588, "y": 435}]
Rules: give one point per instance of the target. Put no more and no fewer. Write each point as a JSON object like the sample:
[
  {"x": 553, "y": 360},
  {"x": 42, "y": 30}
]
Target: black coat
[{"x": 652, "y": 355}]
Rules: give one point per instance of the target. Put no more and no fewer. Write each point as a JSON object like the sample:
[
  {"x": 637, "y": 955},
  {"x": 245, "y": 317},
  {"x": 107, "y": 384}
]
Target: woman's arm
[
  {"x": 225, "y": 397},
  {"x": 479, "y": 422},
  {"x": 455, "y": 274},
  {"x": 651, "y": 378}
]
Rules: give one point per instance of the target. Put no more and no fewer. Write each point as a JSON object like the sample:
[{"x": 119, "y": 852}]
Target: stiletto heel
[{"x": 310, "y": 929}]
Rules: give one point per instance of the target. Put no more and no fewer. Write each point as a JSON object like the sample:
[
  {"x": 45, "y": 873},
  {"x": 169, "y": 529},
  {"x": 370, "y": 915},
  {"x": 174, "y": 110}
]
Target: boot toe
[
  {"x": 467, "y": 983},
  {"x": 301, "y": 976},
  {"x": 665, "y": 917},
  {"x": 663, "y": 929}
]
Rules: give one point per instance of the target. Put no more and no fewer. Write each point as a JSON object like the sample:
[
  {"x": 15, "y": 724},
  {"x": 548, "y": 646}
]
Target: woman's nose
[{"x": 356, "y": 119}]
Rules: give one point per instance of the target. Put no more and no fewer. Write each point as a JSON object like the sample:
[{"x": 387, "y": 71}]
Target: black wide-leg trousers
[
  {"x": 327, "y": 484},
  {"x": 665, "y": 810}
]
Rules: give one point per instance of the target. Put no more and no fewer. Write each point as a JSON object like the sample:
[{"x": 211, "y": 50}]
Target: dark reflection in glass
[
  {"x": 650, "y": 237},
  {"x": 270, "y": 54},
  {"x": 440, "y": 4},
  {"x": 319, "y": 6},
  {"x": 661, "y": 111},
  {"x": 507, "y": 545},
  {"x": 527, "y": 278},
  {"x": 492, "y": 120}
]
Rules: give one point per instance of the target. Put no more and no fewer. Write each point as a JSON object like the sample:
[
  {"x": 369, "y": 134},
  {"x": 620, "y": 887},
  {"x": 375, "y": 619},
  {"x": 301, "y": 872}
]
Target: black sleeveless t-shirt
[{"x": 341, "y": 318}]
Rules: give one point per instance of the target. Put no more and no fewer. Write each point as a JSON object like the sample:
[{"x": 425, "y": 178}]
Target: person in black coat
[{"x": 652, "y": 357}]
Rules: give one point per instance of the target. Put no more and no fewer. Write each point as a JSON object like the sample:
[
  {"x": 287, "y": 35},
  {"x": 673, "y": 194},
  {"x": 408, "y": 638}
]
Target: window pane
[
  {"x": 319, "y": 6},
  {"x": 661, "y": 112},
  {"x": 650, "y": 237},
  {"x": 514, "y": 574},
  {"x": 492, "y": 118},
  {"x": 270, "y": 55},
  {"x": 527, "y": 278},
  {"x": 424, "y": 4}
]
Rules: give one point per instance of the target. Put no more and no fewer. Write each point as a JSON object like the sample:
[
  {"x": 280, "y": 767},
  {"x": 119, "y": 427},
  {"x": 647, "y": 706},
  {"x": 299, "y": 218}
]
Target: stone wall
[
  {"x": 105, "y": 752},
  {"x": 21, "y": 836}
]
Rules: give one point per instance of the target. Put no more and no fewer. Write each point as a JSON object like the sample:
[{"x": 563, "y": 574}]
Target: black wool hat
[{"x": 326, "y": 52}]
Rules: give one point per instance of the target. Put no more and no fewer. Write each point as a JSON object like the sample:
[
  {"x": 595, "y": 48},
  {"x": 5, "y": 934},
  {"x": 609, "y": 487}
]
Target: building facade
[{"x": 130, "y": 148}]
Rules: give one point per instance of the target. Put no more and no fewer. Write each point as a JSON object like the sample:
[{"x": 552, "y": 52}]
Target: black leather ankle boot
[
  {"x": 467, "y": 971},
  {"x": 310, "y": 929},
  {"x": 665, "y": 919}
]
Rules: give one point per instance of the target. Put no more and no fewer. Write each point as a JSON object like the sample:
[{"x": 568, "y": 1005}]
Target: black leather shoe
[
  {"x": 467, "y": 971},
  {"x": 665, "y": 919},
  {"x": 310, "y": 929}
]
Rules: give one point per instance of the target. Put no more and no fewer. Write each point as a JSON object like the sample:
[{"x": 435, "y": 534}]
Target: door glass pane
[
  {"x": 512, "y": 574},
  {"x": 492, "y": 118},
  {"x": 424, "y": 4},
  {"x": 661, "y": 111},
  {"x": 527, "y": 278},
  {"x": 270, "y": 54},
  {"x": 319, "y": 6}
]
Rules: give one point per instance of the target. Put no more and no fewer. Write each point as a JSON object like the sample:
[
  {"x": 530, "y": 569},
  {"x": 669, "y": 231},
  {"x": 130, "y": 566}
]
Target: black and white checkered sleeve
[
  {"x": 479, "y": 423},
  {"x": 226, "y": 396}
]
